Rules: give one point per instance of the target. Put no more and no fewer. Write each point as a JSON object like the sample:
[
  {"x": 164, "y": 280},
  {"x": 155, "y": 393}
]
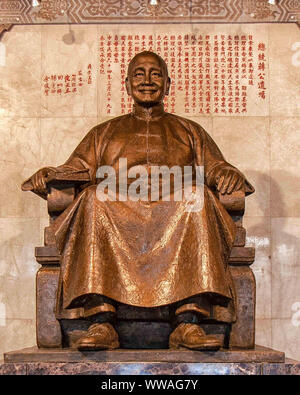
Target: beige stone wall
[{"x": 37, "y": 130}]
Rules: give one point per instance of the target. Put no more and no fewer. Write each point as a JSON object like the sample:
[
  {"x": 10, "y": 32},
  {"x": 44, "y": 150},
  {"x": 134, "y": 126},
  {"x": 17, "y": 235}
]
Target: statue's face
[{"x": 147, "y": 80}]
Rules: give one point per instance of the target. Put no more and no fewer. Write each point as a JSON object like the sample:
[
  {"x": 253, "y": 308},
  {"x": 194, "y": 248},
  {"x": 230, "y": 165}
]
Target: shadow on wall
[
  {"x": 284, "y": 248},
  {"x": 17, "y": 280},
  {"x": 279, "y": 212}
]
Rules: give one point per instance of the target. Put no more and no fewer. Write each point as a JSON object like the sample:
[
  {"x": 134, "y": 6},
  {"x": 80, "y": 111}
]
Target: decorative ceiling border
[{"x": 22, "y": 12}]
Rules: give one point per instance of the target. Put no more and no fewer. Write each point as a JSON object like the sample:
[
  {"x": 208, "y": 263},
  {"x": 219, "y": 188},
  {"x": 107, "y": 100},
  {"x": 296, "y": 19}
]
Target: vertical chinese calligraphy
[
  {"x": 211, "y": 74},
  {"x": 63, "y": 84},
  {"x": 261, "y": 70}
]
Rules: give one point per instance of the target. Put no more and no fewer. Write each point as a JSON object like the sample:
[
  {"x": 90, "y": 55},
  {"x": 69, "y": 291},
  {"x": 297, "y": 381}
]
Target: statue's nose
[{"x": 147, "y": 78}]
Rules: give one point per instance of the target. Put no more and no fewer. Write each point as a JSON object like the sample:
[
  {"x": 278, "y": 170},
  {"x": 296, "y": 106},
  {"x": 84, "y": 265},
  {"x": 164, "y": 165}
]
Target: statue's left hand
[{"x": 229, "y": 180}]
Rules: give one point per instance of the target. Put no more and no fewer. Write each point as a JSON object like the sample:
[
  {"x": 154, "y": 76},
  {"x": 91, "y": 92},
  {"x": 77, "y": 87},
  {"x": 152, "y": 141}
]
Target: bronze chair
[{"x": 138, "y": 327}]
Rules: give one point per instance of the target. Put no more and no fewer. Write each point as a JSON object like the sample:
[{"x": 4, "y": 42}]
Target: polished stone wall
[{"x": 38, "y": 130}]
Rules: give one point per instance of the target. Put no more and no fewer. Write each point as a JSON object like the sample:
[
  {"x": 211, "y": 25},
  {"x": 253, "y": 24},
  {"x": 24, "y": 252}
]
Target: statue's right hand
[{"x": 39, "y": 179}]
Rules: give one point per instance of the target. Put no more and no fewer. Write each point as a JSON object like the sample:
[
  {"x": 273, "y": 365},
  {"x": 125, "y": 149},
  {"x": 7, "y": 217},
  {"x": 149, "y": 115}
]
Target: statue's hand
[
  {"x": 229, "y": 180},
  {"x": 39, "y": 179}
]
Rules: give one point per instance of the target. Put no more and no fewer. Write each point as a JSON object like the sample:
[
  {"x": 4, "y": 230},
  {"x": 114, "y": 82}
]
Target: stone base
[
  {"x": 258, "y": 361},
  {"x": 66, "y": 355}
]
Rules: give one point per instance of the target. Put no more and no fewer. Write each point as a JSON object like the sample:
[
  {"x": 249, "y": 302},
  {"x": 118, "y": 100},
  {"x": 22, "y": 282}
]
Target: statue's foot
[
  {"x": 193, "y": 337},
  {"x": 99, "y": 337}
]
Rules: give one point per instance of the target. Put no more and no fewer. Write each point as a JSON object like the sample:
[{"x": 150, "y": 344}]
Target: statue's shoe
[
  {"x": 99, "y": 337},
  {"x": 193, "y": 337}
]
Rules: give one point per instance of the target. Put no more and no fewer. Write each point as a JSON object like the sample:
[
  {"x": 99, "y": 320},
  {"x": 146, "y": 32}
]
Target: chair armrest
[
  {"x": 61, "y": 188},
  {"x": 234, "y": 203},
  {"x": 60, "y": 196}
]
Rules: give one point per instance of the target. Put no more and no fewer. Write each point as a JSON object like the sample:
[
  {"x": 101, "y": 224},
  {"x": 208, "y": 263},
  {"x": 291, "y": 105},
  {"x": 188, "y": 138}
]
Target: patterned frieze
[{"x": 147, "y": 11}]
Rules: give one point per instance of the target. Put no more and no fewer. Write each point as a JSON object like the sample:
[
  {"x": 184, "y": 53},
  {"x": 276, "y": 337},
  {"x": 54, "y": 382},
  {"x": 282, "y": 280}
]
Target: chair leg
[{"x": 48, "y": 331}]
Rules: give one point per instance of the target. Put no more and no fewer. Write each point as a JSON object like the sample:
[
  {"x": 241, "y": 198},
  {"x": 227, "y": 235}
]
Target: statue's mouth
[{"x": 147, "y": 90}]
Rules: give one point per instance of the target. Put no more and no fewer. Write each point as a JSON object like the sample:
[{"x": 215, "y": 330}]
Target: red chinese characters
[
  {"x": 207, "y": 59},
  {"x": 200, "y": 63},
  {"x": 216, "y": 74},
  {"x": 165, "y": 55},
  {"x": 186, "y": 65},
  {"x": 250, "y": 60},
  {"x": 101, "y": 55},
  {"x": 223, "y": 73},
  {"x": 210, "y": 74},
  {"x": 63, "y": 84},
  {"x": 261, "y": 70},
  {"x": 195, "y": 77},
  {"x": 123, "y": 73},
  {"x": 172, "y": 72}
]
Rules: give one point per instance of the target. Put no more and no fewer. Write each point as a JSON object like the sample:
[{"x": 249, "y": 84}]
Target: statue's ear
[
  {"x": 128, "y": 90},
  {"x": 168, "y": 86}
]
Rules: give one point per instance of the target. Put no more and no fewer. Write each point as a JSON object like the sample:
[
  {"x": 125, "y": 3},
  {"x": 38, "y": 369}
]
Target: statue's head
[{"x": 147, "y": 79}]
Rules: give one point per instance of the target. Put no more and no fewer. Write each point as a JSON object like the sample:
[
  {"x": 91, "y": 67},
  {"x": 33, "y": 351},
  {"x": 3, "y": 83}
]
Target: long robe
[{"x": 144, "y": 253}]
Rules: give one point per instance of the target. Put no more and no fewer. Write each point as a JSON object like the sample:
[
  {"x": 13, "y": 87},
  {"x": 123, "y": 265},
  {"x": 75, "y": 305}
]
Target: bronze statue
[{"x": 145, "y": 253}]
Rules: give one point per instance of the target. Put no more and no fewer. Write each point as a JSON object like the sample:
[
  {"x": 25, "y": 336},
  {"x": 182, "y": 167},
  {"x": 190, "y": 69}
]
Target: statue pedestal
[{"x": 257, "y": 361}]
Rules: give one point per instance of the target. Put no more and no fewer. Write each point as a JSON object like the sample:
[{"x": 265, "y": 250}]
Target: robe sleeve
[
  {"x": 209, "y": 155},
  {"x": 82, "y": 162},
  {"x": 83, "y": 158}
]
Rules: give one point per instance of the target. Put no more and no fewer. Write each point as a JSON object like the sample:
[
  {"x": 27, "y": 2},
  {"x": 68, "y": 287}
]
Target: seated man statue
[{"x": 141, "y": 252}]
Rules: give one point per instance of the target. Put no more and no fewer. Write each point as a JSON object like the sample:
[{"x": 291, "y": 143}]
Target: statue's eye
[
  {"x": 139, "y": 74},
  {"x": 156, "y": 74}
]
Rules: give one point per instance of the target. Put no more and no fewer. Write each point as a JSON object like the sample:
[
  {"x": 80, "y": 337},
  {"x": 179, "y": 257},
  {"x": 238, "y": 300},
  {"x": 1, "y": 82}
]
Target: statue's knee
[
  {"x": 89, "y": 193},
  {"x": 91, "y": 190}
]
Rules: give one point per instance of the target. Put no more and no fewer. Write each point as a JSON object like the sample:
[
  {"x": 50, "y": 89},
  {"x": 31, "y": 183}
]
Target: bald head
[
  {"x": 150, "y": 54},
  {"x": 147, "y": 80}
]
